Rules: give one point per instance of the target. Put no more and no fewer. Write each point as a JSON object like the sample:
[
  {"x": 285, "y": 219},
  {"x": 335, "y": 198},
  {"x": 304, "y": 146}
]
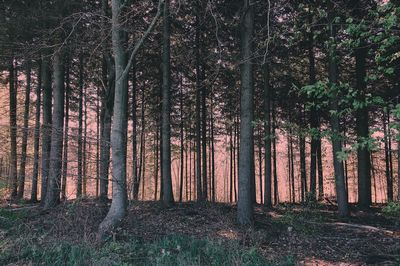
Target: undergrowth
[{"x": 20, "y": 245}]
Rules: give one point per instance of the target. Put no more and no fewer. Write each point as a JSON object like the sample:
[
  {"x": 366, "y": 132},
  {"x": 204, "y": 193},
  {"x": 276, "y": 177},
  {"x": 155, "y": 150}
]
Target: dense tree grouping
[{"x": 125, "y": 99}]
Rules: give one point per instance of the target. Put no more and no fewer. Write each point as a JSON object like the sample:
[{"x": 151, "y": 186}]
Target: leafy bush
[{"x": 392, "y": 209}]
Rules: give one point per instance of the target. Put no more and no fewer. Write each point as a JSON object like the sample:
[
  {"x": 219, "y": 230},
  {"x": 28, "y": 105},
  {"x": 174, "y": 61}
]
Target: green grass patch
[{"x": 171, "y": 250}]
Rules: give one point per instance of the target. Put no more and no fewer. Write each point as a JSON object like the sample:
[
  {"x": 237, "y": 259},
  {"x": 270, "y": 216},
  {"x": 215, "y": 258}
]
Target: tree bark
[
  {"x": 66, "y": 131},
  {"x": 21, "y": 179},
  {"x": 198, "y": 105},
  {"x": 36, "y": 136},
  {"x": 246, "y": 160},
  {"x": 80, "y": 130},
  {"x": 341, "y": 193},
  {"x": 135, "y": 178},
  {"x": 267, "y": 138},
  {"x": 168, "y": 197},
  {"x": 362, "y": 131},
  {"x": 119, "y": 129},
  {"x": 13, "y": 129},
  {"x": 53, "y": 191},
  {"x": 46, "y": 125}
]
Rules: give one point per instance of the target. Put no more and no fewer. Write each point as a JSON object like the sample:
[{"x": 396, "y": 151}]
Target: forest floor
[{"x": 196, "y": 234}]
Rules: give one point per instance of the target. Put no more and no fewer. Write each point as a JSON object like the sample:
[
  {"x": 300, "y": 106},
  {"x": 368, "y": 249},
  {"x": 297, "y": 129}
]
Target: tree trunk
[
  {"x": 246, "y": 160},
  {"x": 21, "y": 179},
  {"x": 135, "y": 178},
  {"x": 46, "y": 125},
  {"x": 66, "y": 137},
  {"x": 389, "y": 180},
  {"x": 80, "y": 130},
  {"x": 168, "y": 197},
  {"x": 198, "y": 105},
  {"x": 182, "y": 147},
  {"x": 362, "y": 131},
  {"x": 53, "y": 191},
  {"x": 106, "y": 113},
  {"x": 336, "y": 140},
  {"x": 36, "y": 136},
  {"x": 267, "y": 138},
  {"x": 13, "y": 130},
  {"x": 119, "y": 130},
  {"x": 315, "y": 138}
]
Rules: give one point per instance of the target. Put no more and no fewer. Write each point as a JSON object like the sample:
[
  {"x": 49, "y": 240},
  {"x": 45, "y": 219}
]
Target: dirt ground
[{"x": 311, "y": 235}]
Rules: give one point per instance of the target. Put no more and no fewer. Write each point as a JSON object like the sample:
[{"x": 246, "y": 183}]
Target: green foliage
[
  {"x": 392, "y": 209},
  {"x": 171, "y": 250}
]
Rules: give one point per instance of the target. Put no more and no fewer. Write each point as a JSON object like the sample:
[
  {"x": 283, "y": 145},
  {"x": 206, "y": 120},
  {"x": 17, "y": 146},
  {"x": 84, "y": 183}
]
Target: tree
[
  {"x": 21, "y": 177},
  {"x": 168, "y": 198},
  {"x": 13, "y": 128},
  {"x": 341, "y": 193},
  {"x": 246, "y": 170}
]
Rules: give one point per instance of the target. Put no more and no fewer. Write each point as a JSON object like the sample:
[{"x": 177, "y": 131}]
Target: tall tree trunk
[
  {"x": 204, "y": 135},
  {"x": 198, "y": 104},
  {"x": 53, "y": 191},
  {"x": 314, "y": 121},
  {"x": 66, "y": 131},
  {"x": 46, "y": 125},
  {"x": 246, "y": 160},
  {"x": 273, "y": 135},
  {"x": 21, "y": 180},
  {"x": 36, "y": 136},
  {"x": 182, "y": 147},
  {"x": 119, "y": 129},
  {"x": 97, "y": 143},
  {"x": 106, "y": 113},
  {"x": 213, "y": 180},
  {"x": 13, "y": 129},
  {"x": 84, "y": 148},
  {"x": 267, "y": 138},
  {"x": 80, "y": 130},
  {"x": 168, "y": 197},
  {"x": 362, "y": 131},
  {"x": 135, "y": 178},
  {"x": 336, "y": 141}
]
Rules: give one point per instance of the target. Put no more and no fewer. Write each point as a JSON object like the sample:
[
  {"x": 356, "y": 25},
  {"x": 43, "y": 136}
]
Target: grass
[
  {"x": 170, "y": 250},
  {"x": 22, "y": 245}
]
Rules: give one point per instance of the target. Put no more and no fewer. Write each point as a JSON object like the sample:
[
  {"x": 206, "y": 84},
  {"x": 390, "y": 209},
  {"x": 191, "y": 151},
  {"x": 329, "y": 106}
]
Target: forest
[{"x": 204, "y": 132}]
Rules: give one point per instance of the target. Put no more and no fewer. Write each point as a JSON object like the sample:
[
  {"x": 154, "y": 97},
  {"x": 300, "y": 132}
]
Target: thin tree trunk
[
  {"x": 389, "y": 181},
  {"x": 273, "y": 135},
  {"x": 46, "y": 125},
  {"x": 13, "y": 130},
  {"x": 198, "y": 105},
  {"x": 84, "y": 152},
  {"x": 80, "y": 130},
  {"x": 36, "y": 136},
  {"x": 267, "y": 138},
  {"x": 320, "y": 170},
  {"x": 53, "y": 191},
  {"x": 135, "y": 178},
  {"x": 21, "y": 179},
  {"x": 66, "y": 137},
  {"x": 182, "y": 148}
]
